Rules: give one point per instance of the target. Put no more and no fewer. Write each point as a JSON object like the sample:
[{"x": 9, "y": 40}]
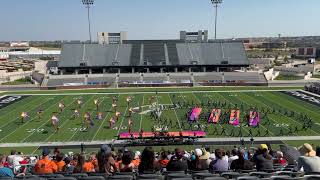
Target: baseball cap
[
  {"x": 45, "y": 152},
  {"x": 263, "y": 146}
]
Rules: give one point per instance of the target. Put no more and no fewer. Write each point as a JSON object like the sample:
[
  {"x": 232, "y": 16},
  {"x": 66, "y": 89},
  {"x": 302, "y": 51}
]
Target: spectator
[
  {"x": 280, "y": 160},
  {"x": 136, "y": 161},
  {"x": 148, "y": 163},
  {"x": 241, "y": 163},
  {"x": 68, "y": 167},
  {"x": 164, "y": 160},
  {"x": 126, "y": 164},
  {"x": 88, "y": 166},
  {"x": 78, "y": 168},
  {"x": 4, "y": 171},
  {"x": 105, "y": 161},
  {"x": 45, "y": 165},
  {"x": 308, "y": 161},
  {"x": 220, "y": 164},
  {"x": 94, "y": 161},
  {"x": 59, "y": 162},
  {"x": 178, "y": 162},
  {"x": 263, "y": 159},
  {"x": 14, "y": 160},
  {"x": 233, "y": 155}
]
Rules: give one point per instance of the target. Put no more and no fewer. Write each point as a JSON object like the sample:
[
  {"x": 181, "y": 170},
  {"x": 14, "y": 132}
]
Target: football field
[{"x": 280, "y": 115}]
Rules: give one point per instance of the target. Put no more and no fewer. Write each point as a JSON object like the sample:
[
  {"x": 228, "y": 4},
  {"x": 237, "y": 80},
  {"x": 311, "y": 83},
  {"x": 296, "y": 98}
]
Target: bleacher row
[
  {"x": 176, "y": 175},
  {"x": 156, "y": 78}
]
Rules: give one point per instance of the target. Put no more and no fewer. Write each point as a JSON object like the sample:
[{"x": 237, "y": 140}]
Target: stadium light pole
[
  {"x": 88, "y": 4},
  {"x": 216, "y": 5}
]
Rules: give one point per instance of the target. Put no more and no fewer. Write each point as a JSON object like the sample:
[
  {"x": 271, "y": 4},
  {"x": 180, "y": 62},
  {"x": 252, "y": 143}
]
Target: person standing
[{"x": 45, "y": 165}]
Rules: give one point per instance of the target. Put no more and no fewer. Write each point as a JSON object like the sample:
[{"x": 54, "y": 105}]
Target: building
[
  {"x": 111, "y": 38},
  {"x": 144, "y": 56},
  {"x": 306, "y": 52},
  {"x": 200, "y": 36}
]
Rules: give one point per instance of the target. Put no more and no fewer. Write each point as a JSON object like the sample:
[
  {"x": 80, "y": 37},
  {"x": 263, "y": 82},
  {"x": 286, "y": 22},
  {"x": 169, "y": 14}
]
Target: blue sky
[{"x": 156, "y": 19}]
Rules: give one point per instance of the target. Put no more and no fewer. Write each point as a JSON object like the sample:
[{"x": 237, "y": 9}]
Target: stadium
[{"x": 90, "y": 114}]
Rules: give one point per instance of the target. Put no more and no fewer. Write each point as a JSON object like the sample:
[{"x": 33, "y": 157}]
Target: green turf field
[{"x": 279, "y": 121}]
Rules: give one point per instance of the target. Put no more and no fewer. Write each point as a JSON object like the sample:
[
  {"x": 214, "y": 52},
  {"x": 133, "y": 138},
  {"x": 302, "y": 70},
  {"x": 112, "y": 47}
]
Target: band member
[
  {"x": 55, "y": 122},
  {"x": 24, "y": 116},
  {"x": 130, "y": 122},
  {"x": 39, "y": 113},
  {"x": 130, "y": 111},
  {"x": 112, "y": 122},
  {"x": 61, "y": 106},
  {"x": 129, "y": 99},
  {"x": 99, "y": 116},
  {"x": 118, "y": 114},
  {"x": 114, "y": 106},
  {"x": 79, "y": 102},
  {"x": 76, "y": 113},
  {"x": 87, "y": 119},
  {"x": 96, "y": 103},
  {"x": 114, "y": 99}
]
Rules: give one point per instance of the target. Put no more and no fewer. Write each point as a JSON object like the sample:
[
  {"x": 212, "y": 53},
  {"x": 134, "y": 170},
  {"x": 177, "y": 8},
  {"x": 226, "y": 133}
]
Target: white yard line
[
  {"x": 142, "y": 105},
  {"x": 43, "y": 124},
  {"x": 124, "y": 115},
  {"x": 102, "y": 123},
  {"x": 27, "y": 122},
  {"x": 152, "y": 92},
  {"x": 176, "y": 114},
  {"x": 90, "y": 115},
  {"x": 63, "y": 122}
]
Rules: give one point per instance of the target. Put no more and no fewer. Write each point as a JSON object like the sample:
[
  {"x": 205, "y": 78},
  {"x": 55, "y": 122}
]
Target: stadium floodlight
[
  {"x": 88, "y": 4},
  {"x": 216, "y": 4}
]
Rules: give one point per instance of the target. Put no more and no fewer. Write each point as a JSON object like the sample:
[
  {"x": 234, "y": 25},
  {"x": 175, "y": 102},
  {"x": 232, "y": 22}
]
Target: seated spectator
[
  {"x": 94, "y": 161},
  {"x": 126, "y": 164},
  {"x": 59, "y": 162},
  {"x": 68, "y": 167},
  {"x": 263, "y": 159},
  {"x": 79, "y": 165},
  {"x": 148, "y": 162},
  {"x": 4, "y": 171},
  {"x": 241, "y": 163},
  {"x": 136, "y": 161},
  {"x": 220, "y": 164},
  {"x": 308, "y": 161},
  {"x": 105, "y": 161},
  {"x": 233, "y": 156},
  {"x": 178, "y": 162},
  {"x": 88, "y": 166},
  {"x": 280, "y": 160},
  {"x": 164, "y": 160},
  {"x": 45, "y": 165}
]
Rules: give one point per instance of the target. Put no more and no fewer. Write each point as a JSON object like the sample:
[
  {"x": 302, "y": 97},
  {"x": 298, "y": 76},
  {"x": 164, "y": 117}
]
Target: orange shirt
[
  {"x": 117, "y": 164},
  {"x": 136, "y": 162},
  {"x": 45, "y": 166},
  {"x": 60, "y": 165},
  {"x": 88, "y": 167},
  {"x": 95, "y": 163},
  {"x": 164, "y": 162}
]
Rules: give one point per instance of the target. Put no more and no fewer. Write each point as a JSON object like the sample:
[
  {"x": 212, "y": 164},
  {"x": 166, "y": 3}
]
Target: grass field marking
[
  {"x": 29, "y": 120},
  {"x": 19, "y": 114},
  {"x": 260, "y": 124},
  {"x": 90, "y": 115},
  {"x": 261, "y": 102},
  {"x": 175, "y": 112},
  {"x": 124, "y": 115},
  {"x": 102, "y": 123},
  {"x": 152, "y": 92},
  {"x": 142, "y": 105},
  {"x": 288, "y": 117},
  {"x": 210, "y": 97},
  {"x": 75, "y": 99},
  {"x": 47, "y": 121}
]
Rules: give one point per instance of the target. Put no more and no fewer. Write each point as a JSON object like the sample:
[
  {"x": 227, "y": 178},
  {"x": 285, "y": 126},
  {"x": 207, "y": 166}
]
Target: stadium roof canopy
[{"x": 154, "y": 53}]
